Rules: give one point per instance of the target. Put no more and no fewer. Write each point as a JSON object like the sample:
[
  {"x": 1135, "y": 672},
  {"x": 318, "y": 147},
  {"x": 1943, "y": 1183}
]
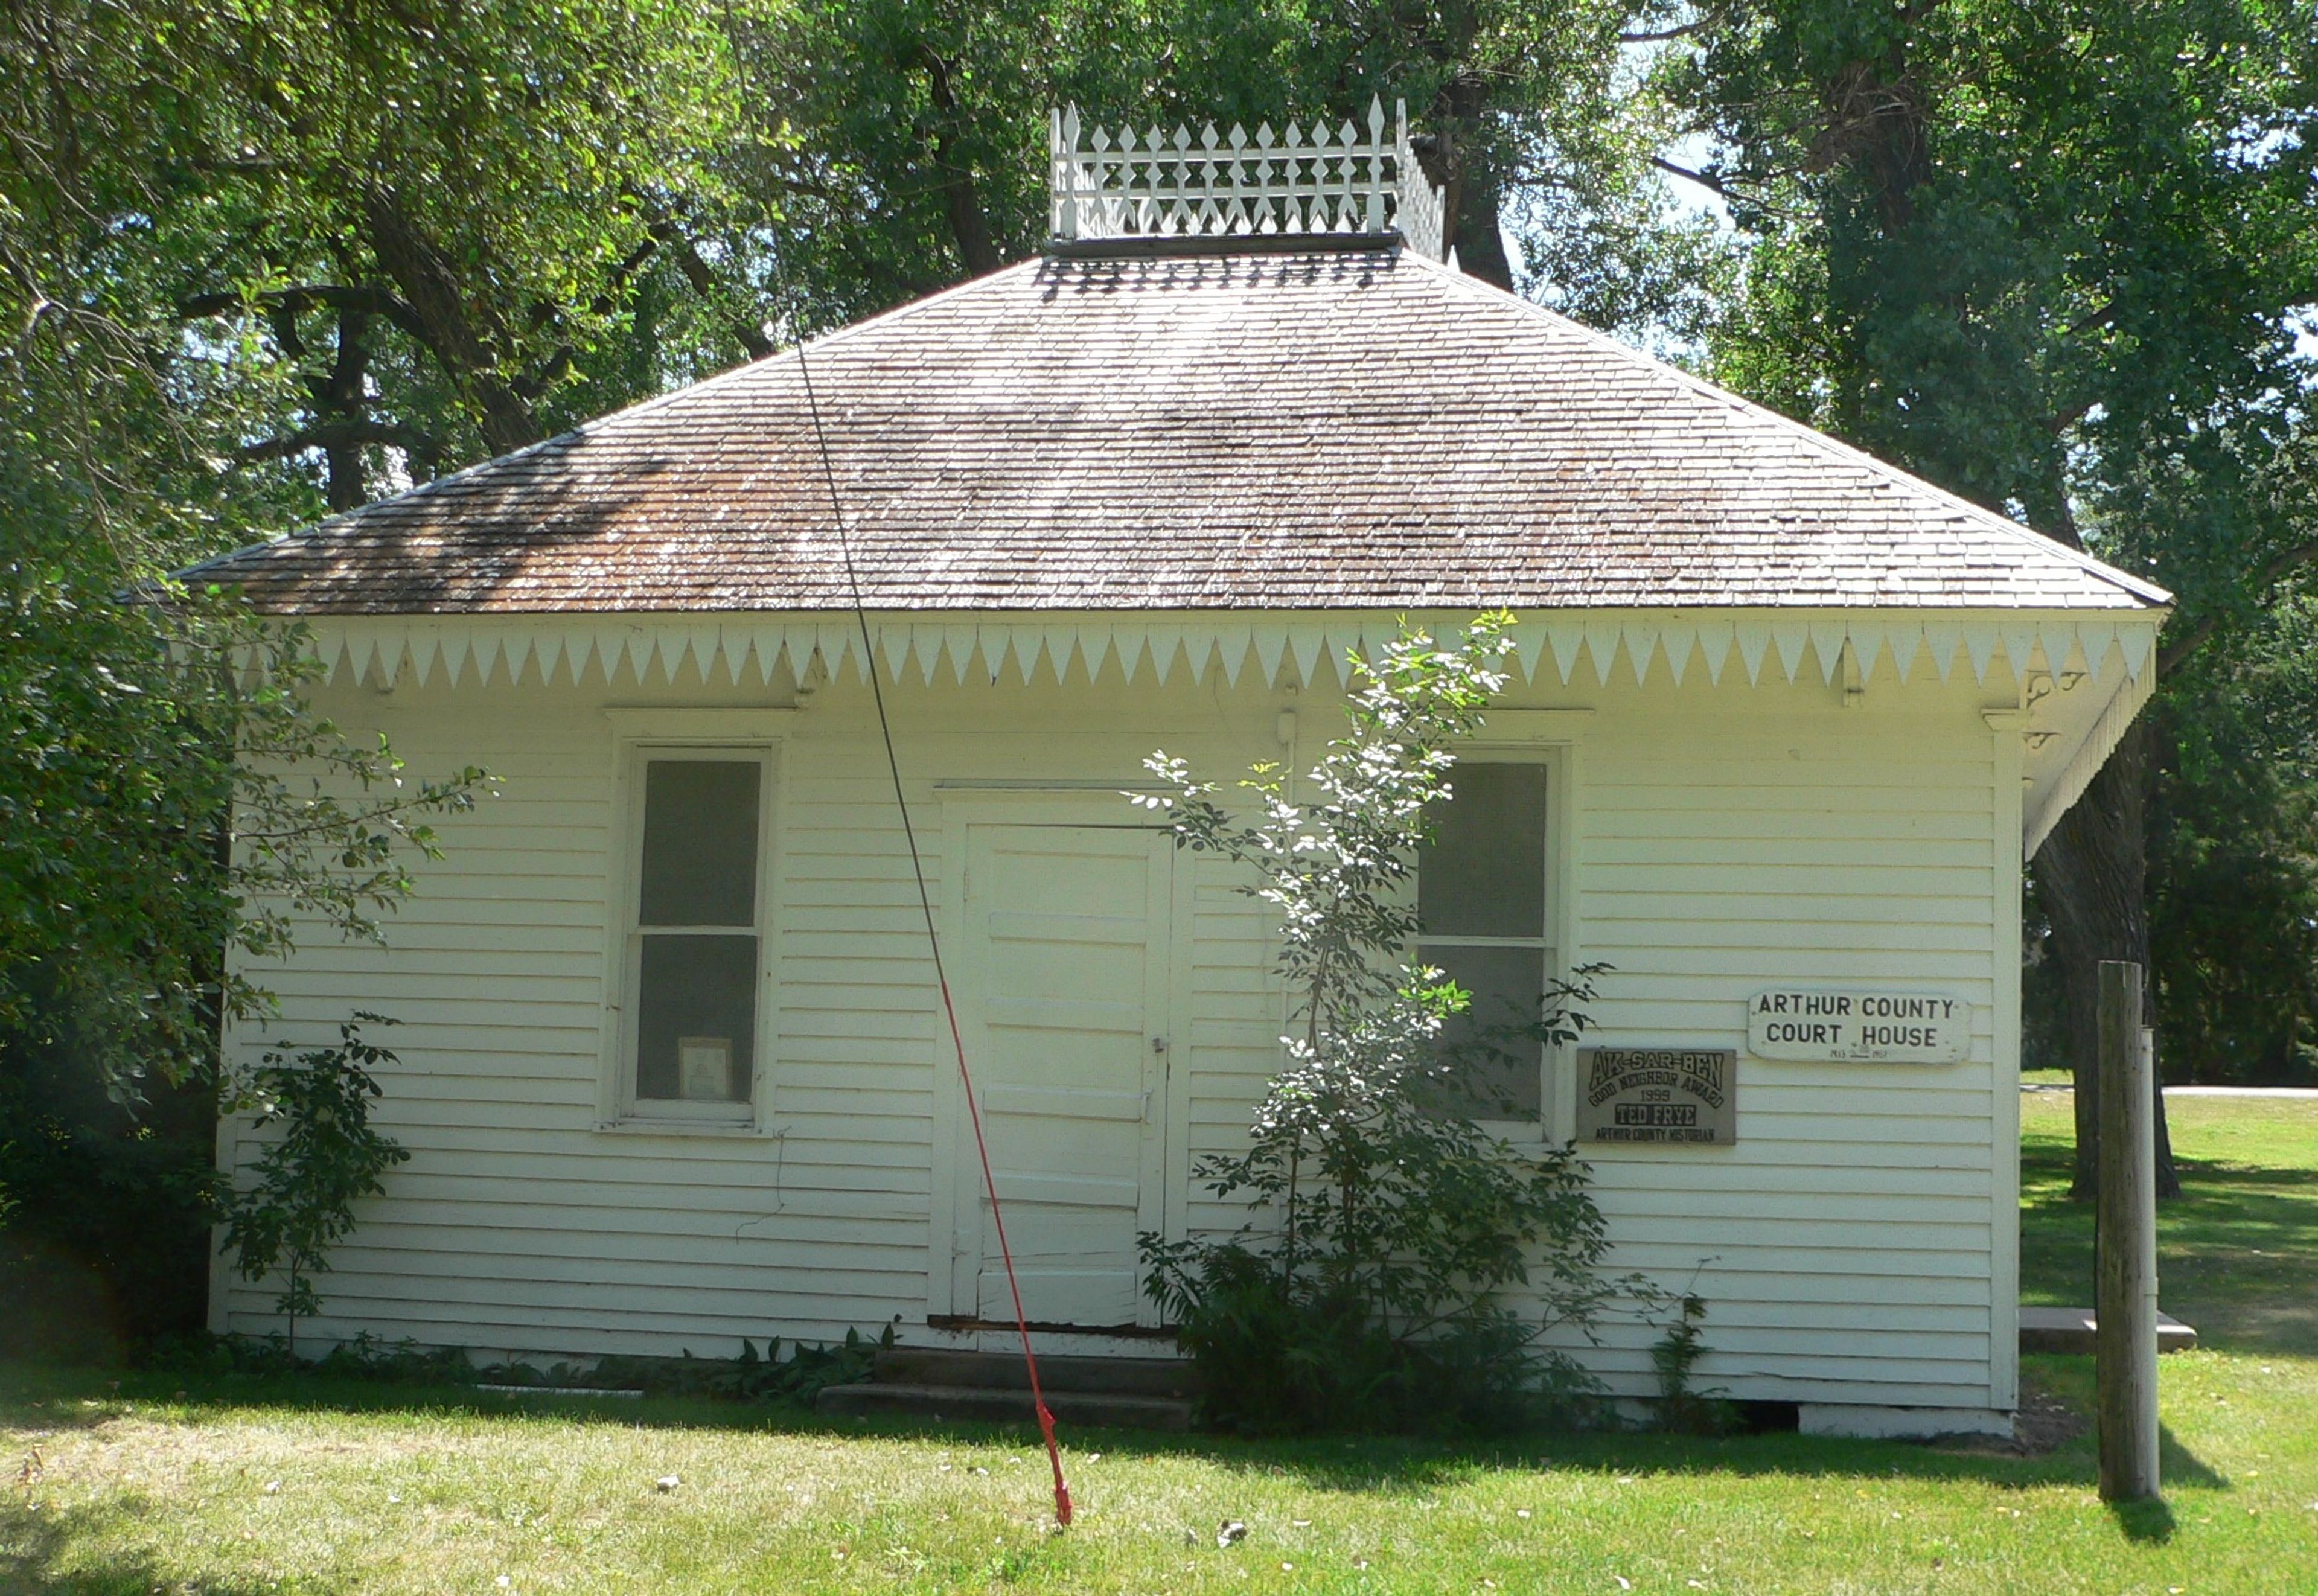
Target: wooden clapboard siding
[
  {"x": 1843, "y": 1243},
  {"x": 1850, "y": 1246}
]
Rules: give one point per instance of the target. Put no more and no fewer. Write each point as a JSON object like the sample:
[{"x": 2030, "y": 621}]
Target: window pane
[
  {"x": 1484, "y": 873},
  {"x": 1496, "y": 1070},
  {"x": 700, "y": 843},
  {"x": 697, "y": 1017}
]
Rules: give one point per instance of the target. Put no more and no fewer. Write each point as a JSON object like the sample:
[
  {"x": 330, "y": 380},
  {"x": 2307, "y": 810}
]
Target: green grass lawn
[
  {"x": 237, "y": 1485},
  {"x": 2237, "y": 1259}
]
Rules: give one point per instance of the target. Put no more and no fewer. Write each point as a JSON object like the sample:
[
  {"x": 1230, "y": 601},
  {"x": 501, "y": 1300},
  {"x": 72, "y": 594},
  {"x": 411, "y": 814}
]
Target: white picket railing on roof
[{"x": 1131, "y": 184}]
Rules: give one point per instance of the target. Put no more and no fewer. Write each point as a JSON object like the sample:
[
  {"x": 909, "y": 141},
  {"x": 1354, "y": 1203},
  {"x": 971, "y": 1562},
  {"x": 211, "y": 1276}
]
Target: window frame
[
  {"x": 1548, "y": 739},
  {"x": 729, "y": 736}
]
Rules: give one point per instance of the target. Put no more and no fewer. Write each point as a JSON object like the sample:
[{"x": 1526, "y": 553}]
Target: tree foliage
[
  {"x": 168, "y": 796},
  {"x": 919, "y": 129},
  {"x": 393, "y": 239},
  {"x": 2233, "y": 855},
  {"x": 2054, "y": 257},
  {"x": 2045, "y": 256},
  {"x": 383, "y": 241}
]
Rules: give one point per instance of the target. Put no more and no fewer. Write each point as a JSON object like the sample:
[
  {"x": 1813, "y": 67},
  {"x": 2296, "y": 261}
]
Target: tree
[
  {"x": 366, "y": 244},
  {"x": 256, "y": 263},
  {"x": 425, "y": 231},
  {"x": 2047, "y": 256},
  {"x": 912, "y": 131}
]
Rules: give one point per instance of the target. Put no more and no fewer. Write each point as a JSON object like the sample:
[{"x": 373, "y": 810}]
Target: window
[
  {"x": 1481, "y": 896},
  {"x": 695, "y": 955}
]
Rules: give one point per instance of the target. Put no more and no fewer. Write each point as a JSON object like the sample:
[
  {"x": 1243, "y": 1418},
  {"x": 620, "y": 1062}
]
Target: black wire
[
  {"x": 861, "y": 619},
  {"x": 925, "y": 900}
]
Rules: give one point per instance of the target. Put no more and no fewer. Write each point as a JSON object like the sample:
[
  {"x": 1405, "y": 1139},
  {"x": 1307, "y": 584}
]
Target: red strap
[
  {"x": 998, "y": 1219},
  {"x": 926, "y": 904}
]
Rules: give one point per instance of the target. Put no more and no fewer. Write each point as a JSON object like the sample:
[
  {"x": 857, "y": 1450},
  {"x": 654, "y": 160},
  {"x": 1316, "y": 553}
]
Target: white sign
[
  {"x": 704, "y": 1068},
  {"x": 1858, "y": 1024}
]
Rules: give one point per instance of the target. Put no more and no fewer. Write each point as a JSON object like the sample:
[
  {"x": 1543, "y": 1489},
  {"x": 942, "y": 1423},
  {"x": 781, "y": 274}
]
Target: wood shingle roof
[{"x": 1255, "y": 431}]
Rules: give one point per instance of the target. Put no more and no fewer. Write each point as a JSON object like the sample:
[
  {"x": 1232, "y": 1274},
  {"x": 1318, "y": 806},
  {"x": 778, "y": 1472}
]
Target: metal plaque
[
  {"x": 1658, "y": 1094},
  {"x": 1859, "y": 1026}
]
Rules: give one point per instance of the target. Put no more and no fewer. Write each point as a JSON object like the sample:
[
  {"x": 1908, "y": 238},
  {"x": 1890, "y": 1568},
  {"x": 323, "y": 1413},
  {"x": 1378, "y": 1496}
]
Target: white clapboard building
[{"x": 1785, "y": 722}]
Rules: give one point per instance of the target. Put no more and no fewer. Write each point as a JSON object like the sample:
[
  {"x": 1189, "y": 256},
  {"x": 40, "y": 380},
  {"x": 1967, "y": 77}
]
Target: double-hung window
[
  {"x": 695, "y": 956},
  {"x": 1482, "y": 898}
]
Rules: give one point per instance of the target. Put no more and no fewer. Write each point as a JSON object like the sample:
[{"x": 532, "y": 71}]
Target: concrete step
[
  {"x": 1001, "y": 1405},
  {"x": 1108, "y": 1376},
  {"x": 2071, "y": 1330}
]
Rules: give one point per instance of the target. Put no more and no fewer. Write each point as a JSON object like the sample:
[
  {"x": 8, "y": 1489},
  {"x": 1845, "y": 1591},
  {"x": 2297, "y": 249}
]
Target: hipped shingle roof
[{"x": 1273, "y": 431}]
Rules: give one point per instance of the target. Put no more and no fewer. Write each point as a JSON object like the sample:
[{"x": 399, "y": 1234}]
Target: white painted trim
[
  {"x": 1549, "y": 737},
  {"x": 685, "y": 724},
  {"x": 638, "y": 736},
  {"x": 1512, "y": 727},
  {"x": 1551, "y": 648},
  {"x": 1864, "y": 1422},
  {"x": 2004, "y": 1077},
  {"x": 225, "y": 1144},
  {"x": 1182, "y": 1009},
  {"x": 749, "y": 1129},
  {"x": 639, "y": 648},
  {"x": 2131, "y": 692},
  {"x": 1142, "y": 183},
  {"x": 948, "y": 1096}
]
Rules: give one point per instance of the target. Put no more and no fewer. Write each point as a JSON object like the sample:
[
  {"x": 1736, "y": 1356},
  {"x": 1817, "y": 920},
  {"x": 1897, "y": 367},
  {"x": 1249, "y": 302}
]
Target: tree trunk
[
  {"x": 2091, "y": 878},
  {"x": 961, "y": 203},
  {"x": 1481, "y": 242},
  {"x": 963, "y": 206},
  {"x": 343, "y": 397},
  {"x": 1469, "y": 193},
  {"x": 470, "y": 355}
]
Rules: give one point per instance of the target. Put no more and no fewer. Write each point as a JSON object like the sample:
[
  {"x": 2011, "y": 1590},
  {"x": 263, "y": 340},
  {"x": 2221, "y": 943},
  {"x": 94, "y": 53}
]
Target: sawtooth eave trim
[{"x": 1569, "y": 647}]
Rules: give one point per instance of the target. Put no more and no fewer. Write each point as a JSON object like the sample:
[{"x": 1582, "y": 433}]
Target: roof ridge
[{"x": 1824, "y": 442}]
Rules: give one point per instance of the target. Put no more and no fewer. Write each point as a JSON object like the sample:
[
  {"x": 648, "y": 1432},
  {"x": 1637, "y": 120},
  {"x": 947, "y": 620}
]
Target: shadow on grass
[
  {"x": 2177, "y": 1464},
  {"x": 2149, "y": 1522},
  {"x": 1377, "y": 1464},
  {"x": 35, "y": 1547},
  {"x": 2234, "y": 1256},
  {"x": 2070, "y": 1379}
]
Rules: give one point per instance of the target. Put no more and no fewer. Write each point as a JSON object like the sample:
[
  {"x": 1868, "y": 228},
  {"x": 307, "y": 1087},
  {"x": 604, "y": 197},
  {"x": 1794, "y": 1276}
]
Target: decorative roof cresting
[{"x": 1131, "y": 186}]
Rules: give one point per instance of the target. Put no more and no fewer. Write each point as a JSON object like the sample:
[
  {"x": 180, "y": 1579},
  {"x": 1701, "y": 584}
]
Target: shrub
[
  {"x": 326, "y": 1159},
  {"x": 1682, "y": 1408},
  {"x": 1373, "y": 1293},
  {"x": 795, "y": 1379}
]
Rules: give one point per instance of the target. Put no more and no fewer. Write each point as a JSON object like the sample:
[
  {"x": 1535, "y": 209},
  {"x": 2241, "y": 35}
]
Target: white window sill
[{"x": 641, "y": 1124}]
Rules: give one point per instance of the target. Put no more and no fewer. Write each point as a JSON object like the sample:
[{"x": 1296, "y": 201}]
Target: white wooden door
[{"x": 1066, "y": 965}]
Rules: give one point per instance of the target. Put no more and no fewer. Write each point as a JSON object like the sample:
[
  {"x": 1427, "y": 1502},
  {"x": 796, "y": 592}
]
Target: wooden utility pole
[{"x": 2125, "y": 1291}]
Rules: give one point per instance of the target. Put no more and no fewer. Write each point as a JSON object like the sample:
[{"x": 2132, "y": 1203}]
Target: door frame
[{"x": 951, "y": 1149}]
